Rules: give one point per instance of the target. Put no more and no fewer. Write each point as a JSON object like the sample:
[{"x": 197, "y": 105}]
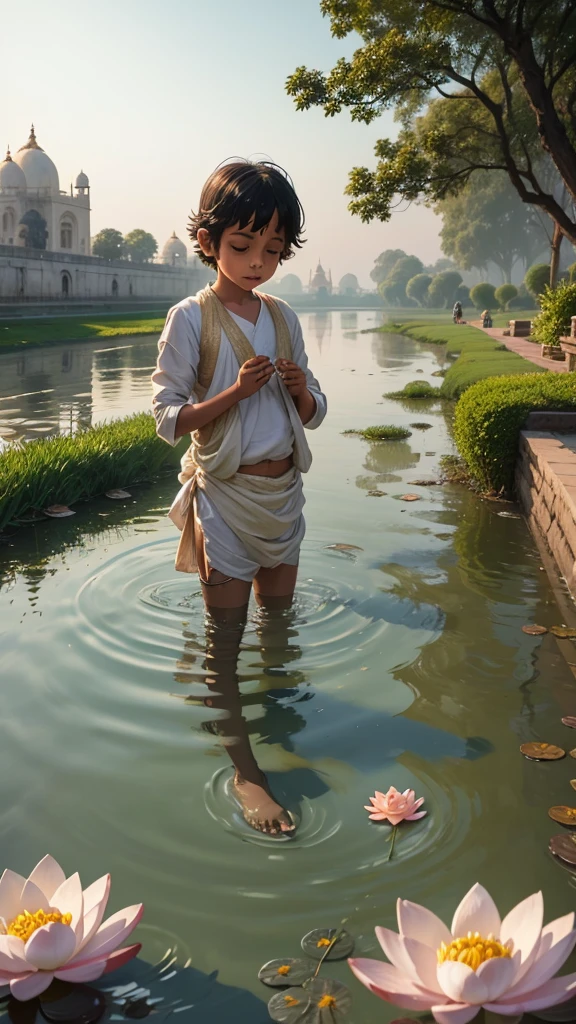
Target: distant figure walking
[
  {"x": 457, "y": 312},
  {"x": 486, "y": 318}
]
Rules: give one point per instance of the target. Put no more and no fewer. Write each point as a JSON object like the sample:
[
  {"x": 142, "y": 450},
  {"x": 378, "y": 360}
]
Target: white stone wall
[{"x": 32, "y": 275}]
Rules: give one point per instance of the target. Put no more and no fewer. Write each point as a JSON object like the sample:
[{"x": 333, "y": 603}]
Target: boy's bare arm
[{"x": 253, "y": 375}]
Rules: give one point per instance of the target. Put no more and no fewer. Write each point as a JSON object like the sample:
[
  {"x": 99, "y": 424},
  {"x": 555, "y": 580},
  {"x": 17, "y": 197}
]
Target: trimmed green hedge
[
  {"x": 67, "y": 469},
  {"x": 490, "y": 415}
]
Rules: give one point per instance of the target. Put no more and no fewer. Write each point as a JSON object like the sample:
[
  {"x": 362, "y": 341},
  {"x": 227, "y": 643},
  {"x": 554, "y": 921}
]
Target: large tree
[
  {"x": 108, "y": 244},
  {"x": 141, "y": 246},
  {"x": 384, "y": 262},
  {"x": 504, "y": 72},
  {"x": 488, "y": 223}
]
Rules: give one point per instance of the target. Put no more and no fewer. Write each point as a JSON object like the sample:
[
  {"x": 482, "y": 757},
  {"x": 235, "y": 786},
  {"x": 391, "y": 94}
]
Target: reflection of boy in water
[{"x": 240, "y": 508}]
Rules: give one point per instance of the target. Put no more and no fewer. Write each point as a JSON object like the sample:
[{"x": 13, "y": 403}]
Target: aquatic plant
[
  {"x": 68, "y": 469},
  {"x": 395, "y": 807},
  {"x": 416, "y": 389},
  {"x": 382, "y": 433},
  {"x": 51, "y": 928},
  {"x": 507, "y": 966}
]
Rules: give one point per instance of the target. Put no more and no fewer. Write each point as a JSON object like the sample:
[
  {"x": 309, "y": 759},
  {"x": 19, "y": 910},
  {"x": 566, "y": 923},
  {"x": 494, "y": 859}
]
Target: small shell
[
  {"x": 542, "y": 751},
  {"x": 570, "y": 721},
  {"x": 117, "y": 493},
  {"x": 410, "y": 497},
  {"x": 343, "y": 547},
  {"x": 563, "y": 815},
  {"x": 58, "y": 511},
  {"x": 534, "y": 630},
  {"x": 564, "y": 846}
]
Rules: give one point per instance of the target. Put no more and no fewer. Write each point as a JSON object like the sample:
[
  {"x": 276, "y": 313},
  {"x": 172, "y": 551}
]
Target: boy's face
[{"x": 247, "y": 258}]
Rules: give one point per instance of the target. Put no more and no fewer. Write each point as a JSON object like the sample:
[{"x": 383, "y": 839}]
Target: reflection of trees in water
[
  {"x": 398, "y": 346},
  {"x": 385, "y": 458},
  {"x": 348, "y": 320}
]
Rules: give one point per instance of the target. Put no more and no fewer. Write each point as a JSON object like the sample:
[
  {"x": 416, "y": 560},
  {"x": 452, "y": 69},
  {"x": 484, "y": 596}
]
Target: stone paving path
[{"x": 526, "y": 349}]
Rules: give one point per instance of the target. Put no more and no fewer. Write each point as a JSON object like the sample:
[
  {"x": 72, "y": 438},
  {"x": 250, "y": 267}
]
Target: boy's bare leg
[{"x": 227, "y": 608}]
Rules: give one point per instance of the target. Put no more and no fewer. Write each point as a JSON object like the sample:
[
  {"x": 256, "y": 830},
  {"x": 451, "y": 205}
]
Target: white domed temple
[
  {"x": 34, "y": 212},
  {"x": 45, "y": 243}
]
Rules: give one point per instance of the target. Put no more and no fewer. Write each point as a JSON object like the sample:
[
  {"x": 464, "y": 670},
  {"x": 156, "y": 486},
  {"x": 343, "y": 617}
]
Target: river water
[{"x": 403, "y": 663}]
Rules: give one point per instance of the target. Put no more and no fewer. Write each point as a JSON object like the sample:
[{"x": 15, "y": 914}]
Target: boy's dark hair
[{"x": 243, "y": 191}]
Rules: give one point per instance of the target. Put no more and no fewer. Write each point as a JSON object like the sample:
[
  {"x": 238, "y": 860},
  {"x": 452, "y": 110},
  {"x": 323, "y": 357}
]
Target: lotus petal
[
  {"x": 122, "y": 956},
  {"x": 557, "y": 990},
  {"x": 89, "y": 971},
  {"x": 476, "y": 913},
  {"x": 28, "y": 986},
  {"x": 394, "y": 947},
  {"x": 416, "y": 922},
  {"x": 497, "y": 975},
  {"x": 32, "y": 898},
  {"x": 12, "y": 948},
  {"x": 95, "y": 900},
  {"x": 388, "y": 983},
  {"x": 111, "y": 934},
  {"x": 11, "y": 886},
  {"x": 461, "y": 983},
  {"x": 48, "y": 876},
  {"x": 544, "y": 967},
  {"x": 50, "y": 946},
  {"x": 68, "y": 899},
  {"x": 425, "y": 960},
  {"x": 454, "y": 1013},
  {"x": 522, "y": 927}
]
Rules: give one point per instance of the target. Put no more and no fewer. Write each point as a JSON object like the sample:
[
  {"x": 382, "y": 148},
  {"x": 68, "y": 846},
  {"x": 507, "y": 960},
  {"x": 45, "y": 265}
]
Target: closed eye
[{"x": 238, "y": 249}]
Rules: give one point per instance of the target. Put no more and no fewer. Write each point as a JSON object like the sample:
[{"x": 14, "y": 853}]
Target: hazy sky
[{"x": 148, "y": 96}]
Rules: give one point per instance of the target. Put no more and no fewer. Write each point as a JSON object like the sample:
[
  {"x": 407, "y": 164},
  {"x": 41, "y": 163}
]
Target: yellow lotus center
[
  {"x": 284, "y": 969},
  {"x": 26, "y": 924},
  {"x": 472, "y": 950},
  {"x": 327, "y": 1001}
]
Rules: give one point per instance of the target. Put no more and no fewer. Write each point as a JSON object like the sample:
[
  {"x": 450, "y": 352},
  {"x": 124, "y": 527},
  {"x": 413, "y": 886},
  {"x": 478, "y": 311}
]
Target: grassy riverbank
[
  {"x": 16, "y": 334},
  {"x": 478, "y": 355},
  {"x": 68, "y": 469}
]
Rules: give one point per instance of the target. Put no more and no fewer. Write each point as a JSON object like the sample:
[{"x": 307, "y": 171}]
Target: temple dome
[
  {"x": 82, "y": 180},
  {"x": 11, "y": 175},
  {"x": 174, "y": 251},
  {"x": 38, "y": 168}
]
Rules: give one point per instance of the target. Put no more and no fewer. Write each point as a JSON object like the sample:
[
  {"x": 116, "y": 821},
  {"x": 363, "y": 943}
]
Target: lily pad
[
  {"x": 570, "y": 721},
  {"x": 410, "y": 497},
  {"x": 563, "y": 815},
  {"x": 343, "y": 547},
  {"x": 564, "y": 846},
  {"x": 564, "y": 631},
  {"x": 288, "y": 971},
  {"x": 376, "y": 494},
  {"x": 421, "y": 426},
  {"x": 316, "y": 942},
  {"x": 330, "y": 999},
  {"x": 58, "y": 511},
  {"x": 534, "y": 630},
  {"x": 117, "y": 493},
  {"x": 292, "y": 1006},
  {"x": 543, "y": 751}
]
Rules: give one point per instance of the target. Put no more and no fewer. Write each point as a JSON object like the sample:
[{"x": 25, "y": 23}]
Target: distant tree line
[{"x": 138, "y": 246}]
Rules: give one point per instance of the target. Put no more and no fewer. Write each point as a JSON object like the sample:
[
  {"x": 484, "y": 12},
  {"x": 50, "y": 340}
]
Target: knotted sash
[{"x": 257, "y": 509}]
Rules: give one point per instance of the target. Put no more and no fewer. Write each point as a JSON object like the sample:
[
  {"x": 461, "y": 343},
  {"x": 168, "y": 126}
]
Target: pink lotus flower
[
  {"x": 506, "y": 966},
  {"x": 50, "y": 928},
  {"x": 395, "y": 807}
]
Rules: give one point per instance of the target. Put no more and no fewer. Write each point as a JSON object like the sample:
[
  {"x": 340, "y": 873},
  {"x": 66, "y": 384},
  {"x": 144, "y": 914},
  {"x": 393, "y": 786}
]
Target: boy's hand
[
  {"x": 253, "y": 375},
  {"x": 293, "y": 376}
]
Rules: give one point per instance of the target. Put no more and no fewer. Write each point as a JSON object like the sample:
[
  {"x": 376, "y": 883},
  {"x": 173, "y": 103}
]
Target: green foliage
[
  {"x": 557, "y": 306},
  {"x": 443, "y": 288},
  {"x": 504, "y": 294},
  {"x": 463, "y": 296},
  {"x": 384, "y": 263},
  {"x": 68, "y": 469},
  {"x": 50, "y": 331},
  {"x": 571, "y": 272},
  {"x": 415, "y": 389},
  {"x": 417, "y": 288},
  {"x": 108, "y": 244},
  {"x": 490, "y": 415},
  {"x": 537, "y": 277},
  {"x": 483, "y": 295},
  {"x": 488, "y": 223},
  {"x": 383, "y": 433},
  {"x": 140, "y": 246},
  {"x": 496, "y": 67},
  {"x": 393, "y": 287}
]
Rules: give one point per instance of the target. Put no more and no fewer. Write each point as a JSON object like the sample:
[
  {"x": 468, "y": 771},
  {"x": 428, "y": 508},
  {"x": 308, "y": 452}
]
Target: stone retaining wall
[{"x": 546, "y": 488}]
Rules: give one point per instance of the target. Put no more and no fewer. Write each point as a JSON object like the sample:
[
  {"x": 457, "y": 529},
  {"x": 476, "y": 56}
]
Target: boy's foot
[{"x": 259, "y": 808}]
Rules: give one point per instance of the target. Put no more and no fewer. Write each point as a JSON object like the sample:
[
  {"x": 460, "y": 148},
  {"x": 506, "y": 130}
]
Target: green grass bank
[
  {"x": 22, "y": 333},
  {"x": 65, "y": 470},
  {"x": 478, "y": 355}
]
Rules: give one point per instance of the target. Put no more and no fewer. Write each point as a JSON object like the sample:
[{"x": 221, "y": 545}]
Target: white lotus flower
[
  {"x": 506, "y": 966},
  {"x": 50, "y": 928}
]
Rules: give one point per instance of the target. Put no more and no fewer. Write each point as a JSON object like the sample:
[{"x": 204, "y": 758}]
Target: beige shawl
[{"x": 258, "y": 509}]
